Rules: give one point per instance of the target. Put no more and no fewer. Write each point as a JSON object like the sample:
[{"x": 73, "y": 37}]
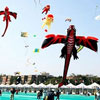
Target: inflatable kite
[
  {"x": 6, "y": 17},
  {"x": 69, "y": 48},
  {"x": 46, "y": 9},
  {"x": 48, "y": 20}
]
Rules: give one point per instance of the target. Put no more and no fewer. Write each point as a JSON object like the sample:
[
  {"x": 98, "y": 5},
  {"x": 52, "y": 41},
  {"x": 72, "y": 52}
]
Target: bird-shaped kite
[
  {"x": 6, "y": 17},
  {"x": 69, "y": 48},
  {"x": 46, "y": 9}
]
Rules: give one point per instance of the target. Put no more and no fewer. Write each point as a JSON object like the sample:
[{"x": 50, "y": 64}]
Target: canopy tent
[
  {"x": 81, "y": 85},
  {"x": 13, "y": 85},
  {"x": 2, "y": 85},
  {"x": 19, "y": 85},
  {"x": 94, "y": 85},
  {"x": 34, "y": 85},
  {"x": 70, "y": 85},
  {"x": 41, "y": 85}
]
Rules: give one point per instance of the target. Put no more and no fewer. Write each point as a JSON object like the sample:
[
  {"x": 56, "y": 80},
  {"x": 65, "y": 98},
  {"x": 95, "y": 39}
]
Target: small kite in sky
[
  {"x": 36, "y": 50},
  {"x": 34, "y": 35},
  {"x": 48, "y": 20},
  {"x": 26, "y": 46},
  {"x": 68, "y": 19},
  {"x": 24, "y": 34},
  {"x": 6, "y": 17},
  {"x": 46, "y": 9},
  {"x": 30, "y": 62},
  {"x": 97, "y": 17}
]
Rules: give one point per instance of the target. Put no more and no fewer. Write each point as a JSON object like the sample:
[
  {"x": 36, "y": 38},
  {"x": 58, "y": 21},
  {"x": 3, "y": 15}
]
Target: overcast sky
[{"x": 15, "y": 57}]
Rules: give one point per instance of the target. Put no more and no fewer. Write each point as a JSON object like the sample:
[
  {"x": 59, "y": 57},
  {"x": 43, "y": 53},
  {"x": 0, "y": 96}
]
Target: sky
[{"x": 15, "y": 57}]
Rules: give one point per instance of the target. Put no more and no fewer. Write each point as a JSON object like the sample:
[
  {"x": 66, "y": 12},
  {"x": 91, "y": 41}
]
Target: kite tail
[
  {"x": 5, "y": 28},
  {"x": 67, "y": 61},
  {"x": 43, "y": 25}
]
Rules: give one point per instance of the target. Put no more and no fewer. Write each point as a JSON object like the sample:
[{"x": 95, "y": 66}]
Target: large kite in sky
[
  {"x": 6, "y": 17},
  {"x": 69, "y": 48}
]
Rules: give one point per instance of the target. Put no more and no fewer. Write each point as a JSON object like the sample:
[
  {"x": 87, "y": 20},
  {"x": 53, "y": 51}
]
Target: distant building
[
  {"x": 24, "y": 79},
  {"x": 45, "y": 74}
]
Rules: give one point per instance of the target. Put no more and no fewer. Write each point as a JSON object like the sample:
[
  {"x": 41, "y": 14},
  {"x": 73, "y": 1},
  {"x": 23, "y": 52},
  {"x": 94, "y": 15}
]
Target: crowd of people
[{"x": 49, "y": 95}]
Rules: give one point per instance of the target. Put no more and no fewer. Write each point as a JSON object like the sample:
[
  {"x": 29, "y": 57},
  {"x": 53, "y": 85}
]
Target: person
[
  {"x": 50, "y": 95},
  {"x": 16, "y": 91},
  {"x": 97, "y": 95},
  {"x": 0, "y": 92},
  {"x": 12, "y": 93},
  {"x": 39, "y": 94},
  {"x": 57, "y": 94}
]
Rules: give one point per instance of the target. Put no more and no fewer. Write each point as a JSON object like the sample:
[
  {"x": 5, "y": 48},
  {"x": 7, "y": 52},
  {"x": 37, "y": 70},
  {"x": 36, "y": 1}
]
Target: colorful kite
[
  {"x": 24, "y": 34},
  {"x": 48, "y": 20},
  {"x": 6, "y": 17},
  {"x": 69, "y": 48},
  {"x": 36, "y": 50},
  {"x": 46, "y": 9}
]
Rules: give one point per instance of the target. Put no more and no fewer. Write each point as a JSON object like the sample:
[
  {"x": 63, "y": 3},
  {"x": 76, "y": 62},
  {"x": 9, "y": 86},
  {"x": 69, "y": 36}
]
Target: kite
[
  {"x": 46, "y": 9},
  {"x": 6, "y": 17},
  {"x": 30, "y": 62},
  {"x": 97, "y": 17},
  {"x": 24, "y": 34},
  {"x": 68, "y": 19},
  {"x": 48, "y": 20},
  {"x": 69, "y": 49},
  {"x": 36, "y": 50},
  {"x": 26, "y": 46},
  {"x": 34, "y": 35},
  {"x": 36, "y": 2}
]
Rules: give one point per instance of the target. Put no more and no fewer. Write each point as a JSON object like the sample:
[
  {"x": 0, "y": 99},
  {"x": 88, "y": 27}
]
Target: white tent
[
  {"x": 2, "y": 85},
  {"x": 26, "y": 86},
  {"x": 19, "y": 85},
  {"x": 34, "y": 85},
  {"x": 55, "y": 86},
  {"x": 81, "y": 85},
  {"x": 41, "y": 85},
  {"x": 64, "y": 86},
  {"x": 94, "y": 85},
  {"x": 50, "y": 85},
  {"x": 13, "y": 85},
  {"x": 7, "y": 85},
  {"x": 70, "y": 85}
]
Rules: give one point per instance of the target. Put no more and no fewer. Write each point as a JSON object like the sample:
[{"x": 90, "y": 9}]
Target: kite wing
[
  {"x": 89, "y": 42},
  {"x": 2, "y": 12},
  {"x": 13, "y": 14},
  {"x": 53, "y": 39}
]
